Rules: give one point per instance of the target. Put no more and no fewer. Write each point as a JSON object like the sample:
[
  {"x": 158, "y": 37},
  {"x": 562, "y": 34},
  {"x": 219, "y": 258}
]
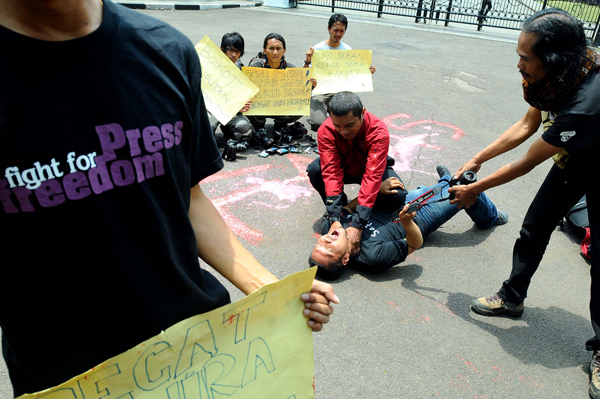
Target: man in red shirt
[{"x": 353, "y": 148}]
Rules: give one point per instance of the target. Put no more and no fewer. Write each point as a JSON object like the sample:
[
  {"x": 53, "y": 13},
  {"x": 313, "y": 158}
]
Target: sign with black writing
[
  {"x": 342, "y": 70},
  {"x": 281, "y": 91},
  {"x": 224, "y": 87}
]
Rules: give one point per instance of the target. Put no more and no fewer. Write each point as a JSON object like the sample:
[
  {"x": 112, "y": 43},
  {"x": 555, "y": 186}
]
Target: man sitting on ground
[
  {"x": 319, "y": 103},
  {"x": 385, "y": 243}
]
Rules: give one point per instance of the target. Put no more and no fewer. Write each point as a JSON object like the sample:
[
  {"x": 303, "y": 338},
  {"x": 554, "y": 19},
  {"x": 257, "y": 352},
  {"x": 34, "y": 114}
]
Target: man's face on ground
[
  {"x": 232, "y": 53},
  {"x": 336, "y": 33},
  {"x": 332, "y": 246},
  {"x": 349, "y": 125},
  {"x": 530, "y": 65}
]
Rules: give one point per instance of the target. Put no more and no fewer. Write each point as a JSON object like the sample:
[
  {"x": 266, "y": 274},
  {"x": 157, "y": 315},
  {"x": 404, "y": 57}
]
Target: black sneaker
[
  {"x": 496, "y": 306},
  {"x": 595, "y": 375},
  {"x": 442, "y": 171}
]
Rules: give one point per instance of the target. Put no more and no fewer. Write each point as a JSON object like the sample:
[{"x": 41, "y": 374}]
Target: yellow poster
[
  {"x": 342, "y": 70},
  {"x": 257, "y": 347},
  {"x": 282, "y": 91},
  {"x": 225, "y": 88}
]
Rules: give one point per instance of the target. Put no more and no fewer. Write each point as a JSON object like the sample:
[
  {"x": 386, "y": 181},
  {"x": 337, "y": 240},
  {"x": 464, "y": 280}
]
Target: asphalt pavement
[{"x": 445, "y": 93}]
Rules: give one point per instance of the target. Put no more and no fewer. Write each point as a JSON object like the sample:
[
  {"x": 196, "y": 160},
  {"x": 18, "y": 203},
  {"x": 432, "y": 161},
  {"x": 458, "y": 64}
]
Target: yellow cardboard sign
[
  {"x": 282, "y": 91},
  {"x": 257, "y": 347},
  {"x": 342, "y": 70},
  {"x": 224, "y": 87}
]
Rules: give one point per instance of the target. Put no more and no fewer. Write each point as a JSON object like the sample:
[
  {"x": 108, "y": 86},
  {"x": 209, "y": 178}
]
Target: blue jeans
[{"x": 433, "y": 214}]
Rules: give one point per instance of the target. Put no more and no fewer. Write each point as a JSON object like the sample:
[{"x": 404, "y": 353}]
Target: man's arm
[
  {"x": 537, "y": 153},
  {"x": 377, "y": 150},
  {"x": 414, "y": 237},
  {"x": 331, "y": 170},
  {"x": 513, "y": 137},
  {"x": 219, "y": 247}
]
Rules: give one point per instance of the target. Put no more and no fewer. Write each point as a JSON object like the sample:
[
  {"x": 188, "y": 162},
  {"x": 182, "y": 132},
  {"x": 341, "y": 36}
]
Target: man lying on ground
[{"x": 385, "y": 243}]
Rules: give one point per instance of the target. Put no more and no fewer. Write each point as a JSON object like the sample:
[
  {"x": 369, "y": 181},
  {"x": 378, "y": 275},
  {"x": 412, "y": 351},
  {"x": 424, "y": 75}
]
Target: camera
[
  {"x": 232, "y": 147},
  {"x": 239, "y": 147},
  {"x": 466, "y": 178},
  {"x": 282, "y": 136},
  {"x": 262, "y": 138},
  {"x": 297, "y": 130}
]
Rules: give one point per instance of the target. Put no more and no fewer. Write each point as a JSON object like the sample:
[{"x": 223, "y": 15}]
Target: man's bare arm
[
  {"x": 513, "y": 137},
  {"x": 221, "y": 249}
]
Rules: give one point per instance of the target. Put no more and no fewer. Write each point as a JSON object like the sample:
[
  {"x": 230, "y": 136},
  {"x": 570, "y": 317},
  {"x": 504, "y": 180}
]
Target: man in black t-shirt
[
  {"x": 561, "y": 82},
  {"x": 104, "y": 138},
  {"x": 385, "y": 243}
]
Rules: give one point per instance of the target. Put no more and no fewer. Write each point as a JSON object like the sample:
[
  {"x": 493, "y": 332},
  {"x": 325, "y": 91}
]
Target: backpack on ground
[{"x": 577, "y": 219}]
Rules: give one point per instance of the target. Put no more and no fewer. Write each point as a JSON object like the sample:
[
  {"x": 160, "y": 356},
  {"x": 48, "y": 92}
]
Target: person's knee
[
  {"x": 243, "y": 127},
  {"x": 314, "y": 169}
]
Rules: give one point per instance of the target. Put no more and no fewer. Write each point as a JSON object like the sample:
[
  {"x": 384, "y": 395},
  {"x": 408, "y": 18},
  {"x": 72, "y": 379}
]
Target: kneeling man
[{"x": 353, "y": 148}]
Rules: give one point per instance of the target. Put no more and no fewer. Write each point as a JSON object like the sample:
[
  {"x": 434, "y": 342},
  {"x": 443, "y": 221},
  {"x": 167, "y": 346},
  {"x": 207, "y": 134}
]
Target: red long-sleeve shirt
[{"x": 364, "y": 156}]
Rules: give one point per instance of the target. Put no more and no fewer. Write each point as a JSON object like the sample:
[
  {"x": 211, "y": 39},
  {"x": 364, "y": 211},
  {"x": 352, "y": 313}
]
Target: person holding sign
[
  {"x": 232, "y": 44},
  {"x": 353, "y": 148},
  {"x": 319, "y": 104},
  {"x": 387, "y": 240},
  {"x": 101, "y": 152},
  {"x": 273, "y": 56}
]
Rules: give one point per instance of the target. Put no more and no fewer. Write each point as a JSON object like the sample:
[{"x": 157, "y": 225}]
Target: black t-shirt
[
  {"x": 382, "y": 244},
  {"x": 101, "y": 138},
  {"x": 575, "y": 127}
]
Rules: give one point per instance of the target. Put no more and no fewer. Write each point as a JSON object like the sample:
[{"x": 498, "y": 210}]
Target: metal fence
[{"x": 506, "y": 14}]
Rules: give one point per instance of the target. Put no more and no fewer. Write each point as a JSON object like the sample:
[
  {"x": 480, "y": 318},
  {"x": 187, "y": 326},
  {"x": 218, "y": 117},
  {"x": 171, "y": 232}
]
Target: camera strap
[{"x": 421, "y": 201}]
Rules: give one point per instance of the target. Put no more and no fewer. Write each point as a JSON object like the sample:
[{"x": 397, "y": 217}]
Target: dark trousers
[
  {"x": 559, "y": 192},
  {"x": 387, "y": 203}
]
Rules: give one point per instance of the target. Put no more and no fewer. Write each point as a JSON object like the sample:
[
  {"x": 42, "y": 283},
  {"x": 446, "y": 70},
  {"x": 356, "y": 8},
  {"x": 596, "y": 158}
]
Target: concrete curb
[{"x": 186, "y": 7}]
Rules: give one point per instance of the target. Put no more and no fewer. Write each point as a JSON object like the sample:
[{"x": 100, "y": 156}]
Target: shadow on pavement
[{"x": 547, "y": 339}]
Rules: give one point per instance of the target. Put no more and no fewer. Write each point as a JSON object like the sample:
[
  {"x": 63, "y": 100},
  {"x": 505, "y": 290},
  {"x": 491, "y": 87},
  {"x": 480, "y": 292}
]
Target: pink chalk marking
[
  {"x": 424, "y": 319},
  {"x": 300, "y": 162},
  {"x": 236, "y": 173},
  {"x": 496, "y": 375},
  {"x": 405, "y": 148},
  {"x": 414, "y": 257},
  {"x": 283, "y": 190},
  {"x": 241, "y": 229},
  {"x": 440, "y": 305},
  {"x": 458, "y": 132},
  {"x": 530, "y": 381}
]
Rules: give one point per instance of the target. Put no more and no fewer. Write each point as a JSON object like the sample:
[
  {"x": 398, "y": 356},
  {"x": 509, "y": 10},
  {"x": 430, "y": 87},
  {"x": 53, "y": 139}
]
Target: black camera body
[
  {"x": 466, "y": 178},
  {"x": 262, "y": 138},
  {"x": 232, "y": 147},
  {"x": 283, "y": 136},
  {"x": 239, "y": 147}
]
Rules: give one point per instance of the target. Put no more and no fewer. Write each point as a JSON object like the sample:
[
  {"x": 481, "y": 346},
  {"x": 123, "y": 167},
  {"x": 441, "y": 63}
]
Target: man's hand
[
  {"x": 309, "y": 55},
  {"x": 372, "y": 69},
  {"x": 314, "y": 82},
  {"x": 406, "y": 217},
  {"x": 354, "y": 236},
  {"x": 464, "y": 196},
  {"x": 389, "y": 186},
  {"x": 316, "y": 303},
  {"x": 246, "y": 106},
  {"x": 470, "y": 165}
]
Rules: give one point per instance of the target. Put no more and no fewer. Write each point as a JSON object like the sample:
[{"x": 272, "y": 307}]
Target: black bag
[
  {"x": 577, "y": 217},
  {"x": 579, "y": 225}
]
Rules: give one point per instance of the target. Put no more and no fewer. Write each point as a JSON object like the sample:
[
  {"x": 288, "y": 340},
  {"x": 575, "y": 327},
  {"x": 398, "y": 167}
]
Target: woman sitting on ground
[{"x": 273, "y": 56}]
